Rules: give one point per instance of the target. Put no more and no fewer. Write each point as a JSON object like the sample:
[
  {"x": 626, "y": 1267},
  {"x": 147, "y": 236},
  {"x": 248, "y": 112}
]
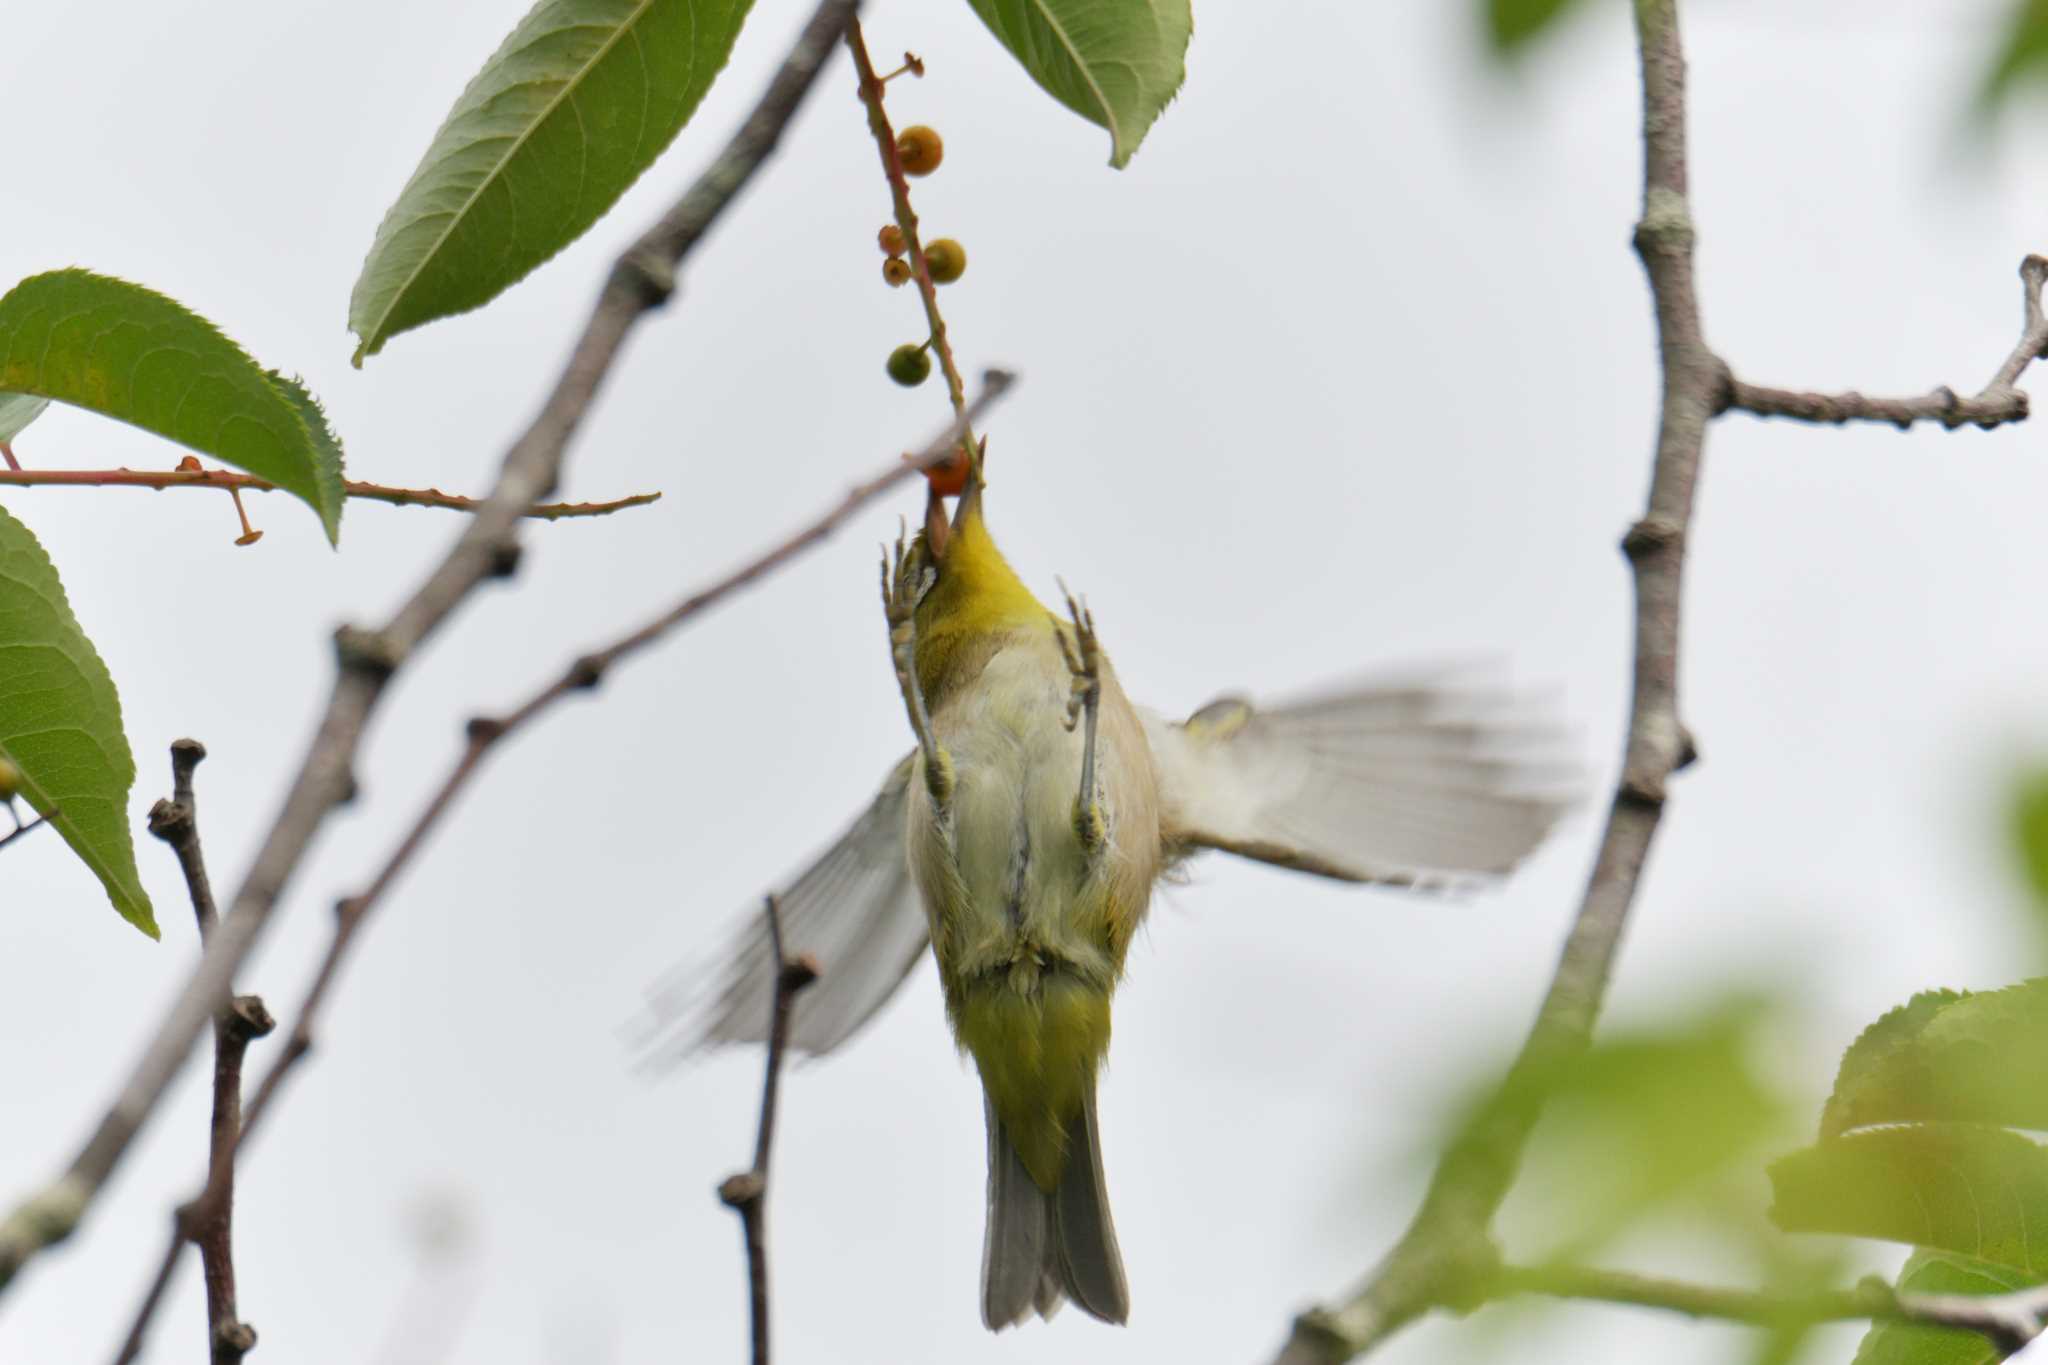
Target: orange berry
[
  {"x": 946, "y": 259},
  {"x": 948, "y": 477},
  {"x": 890, "y": 239},
  {"x": 920, "y": 149},
  {"x": 896, "y": 271}
]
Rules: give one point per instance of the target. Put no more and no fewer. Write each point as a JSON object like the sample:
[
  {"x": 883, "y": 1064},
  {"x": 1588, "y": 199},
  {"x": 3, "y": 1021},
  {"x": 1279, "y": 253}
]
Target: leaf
[
  {"x": 1975, "y": 1058},
  {"x": 1510, "y": 24},
  {"x": 2021, "y": 54},
  {"x": 2029, "y": 825},
  {"x": 1642, "y": 1121},
  {"x": 126, "y": 352},
  {"x": 1114, "y": 62},
  {"x": 1957, "y": 1186},
  {"x": 17, "y": 410},
  {"x": 60, "y": 722},
  {"x": 1940, "y": 1272},
  {"x": 564, "y": 117}
]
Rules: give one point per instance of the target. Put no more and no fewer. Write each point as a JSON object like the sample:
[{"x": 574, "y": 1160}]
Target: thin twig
[
  {"x": 1449, "y": 1243},
  {"x": 21, "y": 829},
  {"x": 176, "y": 822},
  {"x": 747, "y": 1192},
  {"x": 484, "y": 733},
  {"x": 1997, "y": 403},
  {"x": 641, "y": 280},
  {"x": 872, "y": 93},
  {"x": 159, "y": 479}
]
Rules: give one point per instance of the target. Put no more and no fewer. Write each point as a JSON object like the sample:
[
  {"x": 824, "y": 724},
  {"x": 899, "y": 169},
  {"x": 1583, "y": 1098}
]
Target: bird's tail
[{"x": 1047, "y": 1245}]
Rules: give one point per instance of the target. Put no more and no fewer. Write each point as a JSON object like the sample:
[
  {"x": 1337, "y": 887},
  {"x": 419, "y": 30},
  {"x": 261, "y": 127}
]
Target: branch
[
  {"x": 160, "y": 479},
  {"x": 176, "y": 822},
  {"x": 747, "y": 1193},
  {"x": 21, "y": 829},
  {"x": 1997, "y": 403},
  {"x": 872, "y": 93},
  {"x": 1449, "y": 1243},
  {"x": 2009, "y": 1320},
  {"x": 641, "y": 280},
  {"x": 484, "y": 733}
]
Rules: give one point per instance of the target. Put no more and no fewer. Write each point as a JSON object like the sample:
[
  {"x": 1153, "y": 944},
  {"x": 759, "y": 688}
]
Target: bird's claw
[{"x": 1083, "y": 654}]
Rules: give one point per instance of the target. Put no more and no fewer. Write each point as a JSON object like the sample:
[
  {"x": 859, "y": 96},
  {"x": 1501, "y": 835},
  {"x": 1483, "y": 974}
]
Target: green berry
[
  {"x": 946, "y": 259},
  {"x": 909, "y": 365},
  {"x": 920, "y": 149}
]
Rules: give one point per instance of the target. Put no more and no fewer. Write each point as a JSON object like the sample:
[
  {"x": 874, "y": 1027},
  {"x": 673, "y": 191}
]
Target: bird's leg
[
  {"x": 1084, "y": 700},
  {"x": 906, "y": 578}
]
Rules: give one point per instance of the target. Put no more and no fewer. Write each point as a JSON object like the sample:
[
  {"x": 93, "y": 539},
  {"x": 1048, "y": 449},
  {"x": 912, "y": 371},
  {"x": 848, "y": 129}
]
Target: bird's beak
[{"x": 938, "y": 530}]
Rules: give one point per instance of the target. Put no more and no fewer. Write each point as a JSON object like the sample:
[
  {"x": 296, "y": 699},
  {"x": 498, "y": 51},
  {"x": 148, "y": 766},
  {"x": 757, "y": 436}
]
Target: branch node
[
  {"x": 1688, "y": 750},
  {"x": 799, "y": 972},
  {"x": 233, "y": 1340},
  {"x": 742, "y": 1190},
  {"x": 1649, "y": 536},
  {"x": 587, "y": 672},
  {"x": 369, "y": 653},
  {"x": 482, "y": 730},
  {"x": 170, "y": 820},
  {"x": 249, "y": 1018},
  {"x": 648, "y": 274},
  {"x": 504, "y": 558}
]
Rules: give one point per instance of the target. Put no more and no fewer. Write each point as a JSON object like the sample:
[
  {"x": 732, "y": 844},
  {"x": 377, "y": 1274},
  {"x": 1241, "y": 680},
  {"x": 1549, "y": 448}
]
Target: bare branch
[
  {"x": 157, "y": 480},
  {"x": 1997, "y": 403},
  {"x": 176, "y": 822},
  {"x": 1448, "y": 1247},
  {"x": 747, "y": 1193},
  {"x": 641, "y": 280}
]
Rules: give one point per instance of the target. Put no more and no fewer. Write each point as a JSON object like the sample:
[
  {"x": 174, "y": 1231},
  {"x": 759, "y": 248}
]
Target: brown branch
[
  {"x": 1997, "y": 403},
  {"x": 872, "y": 93},
  {"x": 176, "y": 822},
  {"x": 1449, "y": 1243},
  {"x": 21, "y": 829},
  {"x": 747, "y": 1192},
  {"x": 484, "y": 733},
  {"x": 641, "y": 280},
  {"x": 159, "y": 479}
]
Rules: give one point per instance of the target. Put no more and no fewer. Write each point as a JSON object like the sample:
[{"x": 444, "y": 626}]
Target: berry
[
  {"x": 921, "y": 149},
  {"x": 946, "y": 259},
  {"x": 891, "y": 240},
  {"x": 948, "y": 478},
  {"x": 909, "y": 365},
  {"x": 10, "y": 781},
  {"x": 896, "y": 271}
]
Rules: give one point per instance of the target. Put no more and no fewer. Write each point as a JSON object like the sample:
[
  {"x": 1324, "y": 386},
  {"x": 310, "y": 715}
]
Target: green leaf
[
  {"x": 126, "y": 352},
  {"x": 2021, "y": 54},
  {"x": 1956, "y": 1186},
  {"x": 1114, "y": 62},
  {"x": 1510, "y": 24},
  {"x": 1974, "y": 1058},
  {"x": 579, "y": 100},
  {"x": 60, "y": 722},
  {"x": 1940, "y": 1272},
  {"x": 17, "y": 410}
]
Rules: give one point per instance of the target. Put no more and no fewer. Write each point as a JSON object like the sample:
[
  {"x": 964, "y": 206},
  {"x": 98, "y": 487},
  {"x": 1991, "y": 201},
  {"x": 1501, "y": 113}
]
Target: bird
[{"x": 1019, "y": 843}]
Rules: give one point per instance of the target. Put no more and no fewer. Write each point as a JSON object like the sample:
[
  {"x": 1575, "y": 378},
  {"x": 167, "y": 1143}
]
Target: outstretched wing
[
  {"x": 1424, "y": 782},
  {"x": 854, "y": 909}
]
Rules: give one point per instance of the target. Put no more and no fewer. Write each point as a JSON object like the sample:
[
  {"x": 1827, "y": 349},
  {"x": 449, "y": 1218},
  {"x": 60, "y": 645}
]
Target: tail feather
[{"x": 1044, "y": 1247}]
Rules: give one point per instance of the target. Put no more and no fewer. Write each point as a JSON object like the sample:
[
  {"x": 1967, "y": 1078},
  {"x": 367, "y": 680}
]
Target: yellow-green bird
[{"x": 1022, "y": 838}]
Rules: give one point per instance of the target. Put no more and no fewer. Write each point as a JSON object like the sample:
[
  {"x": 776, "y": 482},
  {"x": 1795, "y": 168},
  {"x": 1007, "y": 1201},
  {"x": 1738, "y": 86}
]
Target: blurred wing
[
  {"x": 854, "y": 909},
  {"x": 1409, "y": 783}
]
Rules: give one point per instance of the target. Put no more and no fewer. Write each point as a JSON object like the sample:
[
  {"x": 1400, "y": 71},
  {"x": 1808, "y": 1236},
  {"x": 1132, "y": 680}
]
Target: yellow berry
[
  {"x": 10, "y": 780},
  {"x": 909, "y": 365},
  {"x": 946, "y": 259},
  {"x": 920, "y": 149},
  {"x": 896, "y": 271},
  {"x": 891, "y": 240}
]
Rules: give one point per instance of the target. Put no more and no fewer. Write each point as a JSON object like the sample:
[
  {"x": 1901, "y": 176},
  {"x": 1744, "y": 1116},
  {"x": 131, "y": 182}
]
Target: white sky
[{"x": 1352, "y": 366}]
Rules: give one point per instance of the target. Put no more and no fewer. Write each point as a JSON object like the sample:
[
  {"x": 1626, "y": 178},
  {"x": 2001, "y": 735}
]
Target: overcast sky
[{"x": 1352, "y": 366}]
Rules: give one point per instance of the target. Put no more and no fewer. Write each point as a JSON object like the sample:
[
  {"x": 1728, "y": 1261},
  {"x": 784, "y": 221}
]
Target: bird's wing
[
  {"x": 1421, "y": 782},
  {"x": 854, "y": 909}
]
